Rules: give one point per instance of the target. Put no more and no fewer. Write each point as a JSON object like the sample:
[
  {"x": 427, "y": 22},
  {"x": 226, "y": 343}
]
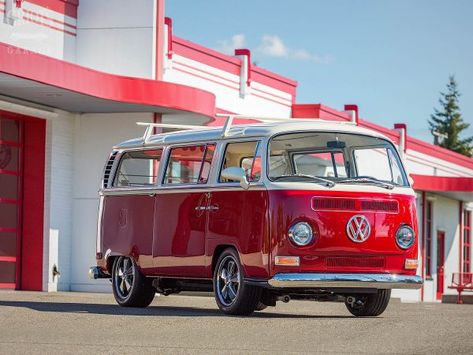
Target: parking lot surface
[{"x": 86, "y": 323}]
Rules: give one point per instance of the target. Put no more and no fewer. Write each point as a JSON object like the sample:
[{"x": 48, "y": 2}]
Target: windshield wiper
[
  {"x": 366, "y": 179},
  {"x": 327, "y": 182}
]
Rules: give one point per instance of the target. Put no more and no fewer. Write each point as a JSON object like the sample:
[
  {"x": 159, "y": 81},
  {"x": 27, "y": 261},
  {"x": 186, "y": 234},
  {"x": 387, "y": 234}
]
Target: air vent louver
[
  {"x": 354, "y": 204},
  {"x": 108, "y": 170}
]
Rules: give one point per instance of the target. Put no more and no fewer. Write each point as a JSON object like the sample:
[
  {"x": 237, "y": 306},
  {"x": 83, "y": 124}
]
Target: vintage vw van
[{"x": 297, "y": 209}]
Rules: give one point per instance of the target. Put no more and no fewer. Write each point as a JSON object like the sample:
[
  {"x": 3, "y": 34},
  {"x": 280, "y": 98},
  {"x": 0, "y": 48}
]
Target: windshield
[{"x": 338, "y": 157}]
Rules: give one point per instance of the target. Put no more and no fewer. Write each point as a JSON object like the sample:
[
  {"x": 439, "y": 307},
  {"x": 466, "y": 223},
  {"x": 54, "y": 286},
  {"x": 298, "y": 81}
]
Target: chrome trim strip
[
  {"x": 315, "y": 280},
  {"x": 181, "y": 189}
]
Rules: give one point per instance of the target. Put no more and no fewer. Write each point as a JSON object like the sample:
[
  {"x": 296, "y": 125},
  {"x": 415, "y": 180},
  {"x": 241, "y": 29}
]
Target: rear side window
[
  {"x": 246, "y": 155},
  {"x": 189, "y": 165},
  {"x": 139, "y": 168}
]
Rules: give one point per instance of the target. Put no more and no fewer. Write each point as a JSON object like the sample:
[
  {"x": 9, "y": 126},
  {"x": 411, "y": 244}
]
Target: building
[{"x": 76, "y": 76}]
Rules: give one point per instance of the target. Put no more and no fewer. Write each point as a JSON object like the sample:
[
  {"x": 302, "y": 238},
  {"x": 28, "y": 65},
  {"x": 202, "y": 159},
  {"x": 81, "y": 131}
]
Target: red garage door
[
  {"x": 11, "y": 162},
  {"x": 22, "y": 163}
]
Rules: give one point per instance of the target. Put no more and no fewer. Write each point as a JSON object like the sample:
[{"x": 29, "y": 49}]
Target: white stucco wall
[
  {"x": 95, "y": 135},
  {"x": 117, "y": 36},
  {"x": 57, "y": 201},
  {"x": 40, "y": 30}
]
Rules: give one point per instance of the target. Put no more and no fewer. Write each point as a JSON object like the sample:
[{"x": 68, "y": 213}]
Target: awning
[
  {"x": 459, "y": 188},
  {"x": 47, "y": 81}
]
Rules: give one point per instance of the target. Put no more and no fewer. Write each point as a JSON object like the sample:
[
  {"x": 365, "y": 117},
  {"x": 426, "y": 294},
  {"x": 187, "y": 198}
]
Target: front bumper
[{"x": 328, "y": 281}]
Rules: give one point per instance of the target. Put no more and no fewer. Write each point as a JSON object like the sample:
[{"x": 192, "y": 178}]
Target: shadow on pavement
[{"x": 163, "y": 311}]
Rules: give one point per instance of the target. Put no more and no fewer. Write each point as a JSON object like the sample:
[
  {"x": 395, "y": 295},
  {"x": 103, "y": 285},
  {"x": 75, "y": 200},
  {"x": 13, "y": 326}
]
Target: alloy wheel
[
  {"x": 228, "y": 283},
  {"x": 124, "y": 277}
]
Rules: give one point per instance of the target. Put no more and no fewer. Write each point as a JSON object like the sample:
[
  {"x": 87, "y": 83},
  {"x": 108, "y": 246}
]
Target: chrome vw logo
[{"x": 358, "y": 228}]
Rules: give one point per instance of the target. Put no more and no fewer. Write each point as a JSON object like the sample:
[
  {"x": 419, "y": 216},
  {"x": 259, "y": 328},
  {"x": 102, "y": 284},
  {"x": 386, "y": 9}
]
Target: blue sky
[{"x": 392, "y": 58}]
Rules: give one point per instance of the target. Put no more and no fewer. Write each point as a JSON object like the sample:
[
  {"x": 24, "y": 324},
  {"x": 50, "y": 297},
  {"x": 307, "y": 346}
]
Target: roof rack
[
  {"x": 149, "y": 128},
  {"x": 228, "y": 123}
]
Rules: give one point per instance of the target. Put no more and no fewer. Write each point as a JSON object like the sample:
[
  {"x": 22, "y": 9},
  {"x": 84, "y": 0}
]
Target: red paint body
[{"x": 168, "y": 236}]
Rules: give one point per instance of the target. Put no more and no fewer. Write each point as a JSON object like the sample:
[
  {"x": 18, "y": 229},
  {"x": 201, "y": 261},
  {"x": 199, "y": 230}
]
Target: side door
[
  {"x": 237, "y": 216},
  {"x": 128, "y": 206},
  {"x": 181, "y": 212}
]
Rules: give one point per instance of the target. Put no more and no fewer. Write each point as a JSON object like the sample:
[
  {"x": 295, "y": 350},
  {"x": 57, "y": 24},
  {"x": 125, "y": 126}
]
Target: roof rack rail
[
  {"x": 228, "y": 123},
  {"x": 230, "y": 117},
  {"x": 149, "y": 128}
]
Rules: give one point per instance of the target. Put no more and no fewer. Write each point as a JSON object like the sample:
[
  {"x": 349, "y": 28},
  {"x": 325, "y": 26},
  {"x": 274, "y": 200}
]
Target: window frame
[
  {"x": 169, "y": 150},
  {"x": 429, "y": 229},
  {"x": 466, "y": 250},
  {"x": 224, "y": 147},
  {"x": 349, "y": 151},
  {"x": 115, "y": 171}
]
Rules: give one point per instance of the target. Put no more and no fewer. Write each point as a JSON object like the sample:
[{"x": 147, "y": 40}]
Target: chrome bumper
[
  {"x": 326, "y": 281},
  {"x": 96, "y": 273}
]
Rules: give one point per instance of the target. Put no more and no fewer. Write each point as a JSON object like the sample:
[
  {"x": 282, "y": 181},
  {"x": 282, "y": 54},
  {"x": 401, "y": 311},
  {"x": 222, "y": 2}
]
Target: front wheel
[
  {"x": 130, "y": 287},
  {"x": 232, "y": 295},
  {"x": 369, "y": 305}
]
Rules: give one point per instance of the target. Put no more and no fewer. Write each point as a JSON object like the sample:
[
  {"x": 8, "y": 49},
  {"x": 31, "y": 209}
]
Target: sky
[{"x": 391, "y": 58}]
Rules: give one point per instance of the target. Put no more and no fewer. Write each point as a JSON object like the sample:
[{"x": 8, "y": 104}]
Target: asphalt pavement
[{"x": 92, "y": 323}]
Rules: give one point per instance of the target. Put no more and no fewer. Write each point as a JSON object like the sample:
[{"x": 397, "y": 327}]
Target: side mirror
[{"x": 234, "y": 173}]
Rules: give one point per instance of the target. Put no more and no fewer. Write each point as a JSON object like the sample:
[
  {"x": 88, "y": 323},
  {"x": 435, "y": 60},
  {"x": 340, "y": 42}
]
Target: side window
[
  {"x": 246, "y": 155},
  {"x": 189, "y": 165},
  {"x": 138, "y": 168}
]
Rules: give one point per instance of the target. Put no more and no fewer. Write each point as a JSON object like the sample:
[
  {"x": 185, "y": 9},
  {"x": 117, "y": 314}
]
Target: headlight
[
  {"x": 405, "y": 237},
  {"x": 301, "y": 234}
]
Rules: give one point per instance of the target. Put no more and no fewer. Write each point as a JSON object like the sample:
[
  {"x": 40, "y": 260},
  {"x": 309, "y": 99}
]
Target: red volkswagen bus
[{"x": 258, "y": 213}]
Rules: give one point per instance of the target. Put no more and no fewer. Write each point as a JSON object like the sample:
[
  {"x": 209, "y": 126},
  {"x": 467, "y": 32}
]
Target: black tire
[
  {"x": 130, "y": 287},
  {"x": 232, "y": 295},
  {"x": 260, "y": 307},
  {"x": 370, "y": 305}
]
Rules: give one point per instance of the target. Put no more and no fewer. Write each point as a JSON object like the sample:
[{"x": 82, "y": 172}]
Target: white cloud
[
  {"x": 228, "y": 46},
  {"x": 274, "y": 46}
]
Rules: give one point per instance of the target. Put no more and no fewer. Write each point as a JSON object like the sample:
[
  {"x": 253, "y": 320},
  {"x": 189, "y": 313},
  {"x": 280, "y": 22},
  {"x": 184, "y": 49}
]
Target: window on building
[
  {"x": 246, "y": 155},
  {"x": 138, "y": 168},
  {"x": 428, "y": 239},
  {"x": 466, "y": 241},
  {"x": 189, "y": 165}
]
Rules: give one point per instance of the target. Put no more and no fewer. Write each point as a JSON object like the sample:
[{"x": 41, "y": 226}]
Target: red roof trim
[
  {"x": 442, "y": 183},
  {"x": 231, "y": 64},
  {"x": 318, "y": 111},
  {"x": 72, "y": 77},
  {"x": 65, "y": 7}
]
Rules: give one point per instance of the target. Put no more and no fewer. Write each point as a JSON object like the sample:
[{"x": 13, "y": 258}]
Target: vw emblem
[{"x": 358, "y": 228}]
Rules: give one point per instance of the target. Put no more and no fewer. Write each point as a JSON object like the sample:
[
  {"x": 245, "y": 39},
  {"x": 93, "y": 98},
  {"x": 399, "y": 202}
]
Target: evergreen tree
[{"x": 449, "y": 122}]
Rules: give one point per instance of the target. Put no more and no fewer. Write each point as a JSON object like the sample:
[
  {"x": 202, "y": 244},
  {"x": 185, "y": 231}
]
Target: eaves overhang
[{"x": 47, "y": 81}]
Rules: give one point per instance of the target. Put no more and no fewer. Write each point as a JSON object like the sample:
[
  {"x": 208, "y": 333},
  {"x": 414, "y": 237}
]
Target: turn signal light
[
  {"x": 411, "y": 264},
  {"x": 287, "y": 260}
]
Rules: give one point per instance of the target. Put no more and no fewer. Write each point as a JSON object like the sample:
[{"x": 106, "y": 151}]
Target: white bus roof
[{"x": 204, "y": 133}]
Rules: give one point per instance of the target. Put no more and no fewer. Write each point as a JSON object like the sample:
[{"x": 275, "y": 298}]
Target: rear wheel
[
  {"x": 369, "y": 305},
  {"x": 232, "y": 295},
  {"x": 130, "y": 287}
]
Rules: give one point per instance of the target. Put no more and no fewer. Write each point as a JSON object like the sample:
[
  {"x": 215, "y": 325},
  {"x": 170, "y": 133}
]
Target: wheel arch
[{"x": 219, "y": 249}]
